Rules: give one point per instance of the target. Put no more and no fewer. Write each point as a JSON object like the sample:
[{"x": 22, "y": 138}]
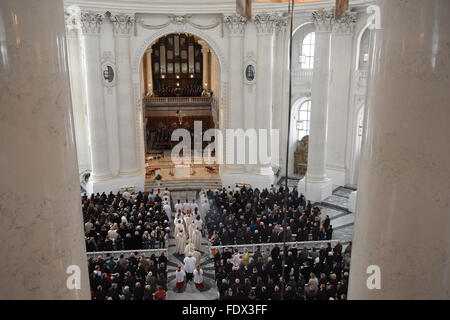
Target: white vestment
[
  {"x": 180, "y": 243},
  {"x": 179, "y": 276},
  {"x": 197, "y": 239},
  {"x": 197, "y": 256}
]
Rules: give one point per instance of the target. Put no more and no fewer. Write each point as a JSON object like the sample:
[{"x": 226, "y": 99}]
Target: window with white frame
[
  {"x": 308, "y": 46},
  {"x": 303, "y": 120}
]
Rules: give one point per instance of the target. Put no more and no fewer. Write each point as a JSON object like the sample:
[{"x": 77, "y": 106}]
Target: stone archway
[{"x": 136, "y": 63}]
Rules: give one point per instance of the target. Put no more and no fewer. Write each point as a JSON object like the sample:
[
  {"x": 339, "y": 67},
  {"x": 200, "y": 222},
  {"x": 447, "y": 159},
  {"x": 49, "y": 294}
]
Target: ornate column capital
[
  {"x": 345, "y": 25},
  {"x": 91, "y": 22},
  {"x": 236, "y": 24},
  {"x": 123, "y": 24},
  {"x": 72, "y": 20},
  {"x": 281, "y": 23},
  {"x": 323, "y": 20},
  {"x": 265, "y": 23}
]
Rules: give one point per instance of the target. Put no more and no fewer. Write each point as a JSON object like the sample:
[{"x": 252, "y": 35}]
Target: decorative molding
[
  {"x": 345, "y": 25},
  {"x": 108, "y": 60},
  {"x": 123, "y": 24},
  {"x": 179, "y": 20},
  {"x": 250, "y": 61},
  {"x": 265, "y": 23},
  {"x": 73, "y": 20},
  {"x": 323, "y": 20},
  {"x": 282, "y": 22},
  {"x": 91, "y": 22},
  {"x": 236, "y": 24}
]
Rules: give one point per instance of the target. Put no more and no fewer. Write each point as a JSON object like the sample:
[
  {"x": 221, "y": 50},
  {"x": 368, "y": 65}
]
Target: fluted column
[
  {"x": 236, "y": 28},
  {"x": 90, "y": 25},
  {"x": 341, "y": 66},
  {"x": 76, "y": 85},
  {"x": 265, "y": 25},
  {"x": 317, "y": 186},
  {"x": 402, "y": 220},
  {"x": 206, "y": 67},
  {"x": 149, "y": 75},
  {"x": 280, "y": 98},
  {"x": 122, "y": 27},
  {"x": 40, "y": 215}
]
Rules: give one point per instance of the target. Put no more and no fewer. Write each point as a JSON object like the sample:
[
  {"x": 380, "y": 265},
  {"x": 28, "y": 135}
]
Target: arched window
[
  {"x": 303, "y": 120},
  {"x": 307, "y": 56}
]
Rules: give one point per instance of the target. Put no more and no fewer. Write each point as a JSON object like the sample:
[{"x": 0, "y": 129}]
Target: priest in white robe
[
  {"x": 180, "y": 241},
  {"x": 197, "y": 239}
]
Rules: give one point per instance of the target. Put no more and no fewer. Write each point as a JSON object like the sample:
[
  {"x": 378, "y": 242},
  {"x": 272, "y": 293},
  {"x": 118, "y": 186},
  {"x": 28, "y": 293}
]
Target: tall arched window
[
  {"x": 307, "y": 56},
  {"x": 303, "y": 120}
]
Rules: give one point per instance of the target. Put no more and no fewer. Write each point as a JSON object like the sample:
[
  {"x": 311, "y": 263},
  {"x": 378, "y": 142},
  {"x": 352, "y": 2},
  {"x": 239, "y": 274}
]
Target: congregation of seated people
[
  {"x": 310, "y": 274},
  {"x": 247, "y": 216},
  {"x": 125, "y": 221},
  {"x": 187, "y": 91},
  {"x": 135, "y": 278}
]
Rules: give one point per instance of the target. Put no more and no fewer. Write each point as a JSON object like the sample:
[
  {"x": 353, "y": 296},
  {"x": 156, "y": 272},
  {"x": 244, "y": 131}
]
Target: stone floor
[{"x": 335, "y": 207}]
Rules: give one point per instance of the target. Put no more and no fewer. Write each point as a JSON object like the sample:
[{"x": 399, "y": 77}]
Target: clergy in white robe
[
  {"x": 180, "y": 241},
  {"x": 179, "y": 226},
  {"x": 189, "y": 248},
  {"x": 186, "y": 207},
  {"x": 197, "y": 239},
  {"x": 197, "y": 255},
  {"x": 193, "y": 206},
  {"x": 178, "y": 207},
  {"x": 168, "y": 210}
]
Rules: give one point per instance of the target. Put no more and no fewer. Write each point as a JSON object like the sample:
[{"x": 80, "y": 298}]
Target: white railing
[
  {"x": 126, "y": 253},
  {"x": 252, "y": 247}
]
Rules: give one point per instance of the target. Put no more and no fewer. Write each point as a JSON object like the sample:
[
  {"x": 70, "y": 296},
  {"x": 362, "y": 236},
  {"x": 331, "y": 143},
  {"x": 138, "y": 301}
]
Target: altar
[{"x": 182, "y": 170}]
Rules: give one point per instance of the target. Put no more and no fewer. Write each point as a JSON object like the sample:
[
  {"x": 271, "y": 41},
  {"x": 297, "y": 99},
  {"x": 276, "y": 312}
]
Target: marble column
[
  {"x": 402, "y": 220},
  {"x": 265, "y": 26},
  {"x": 236, "y": 27},
  {"x": 339, "y": 97},
  {"x": 149, "y": 75},
  {"x": 76, "y": 86},
  {"x": 122, "y": 27},
  {"x": 280, "y": 89},
  {"x": 42, "y": 226},
  {"x": 316, "y": 185},
  {"x": 206, "y": 67},
  {"x": 90, "y": 25}
]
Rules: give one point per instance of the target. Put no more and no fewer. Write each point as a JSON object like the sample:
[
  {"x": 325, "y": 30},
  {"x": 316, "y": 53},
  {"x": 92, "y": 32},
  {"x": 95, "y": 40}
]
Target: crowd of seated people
[
  {"x": 194, "y": 90},
  {"x": 125, "y": 221},
  {"x": 247, "y": 216},
  {"x": 316, "y": 274},
  {"x": 135, "y": 278}
]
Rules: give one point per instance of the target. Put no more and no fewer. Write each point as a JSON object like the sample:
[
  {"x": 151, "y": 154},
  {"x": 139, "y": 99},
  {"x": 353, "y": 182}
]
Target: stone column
[
  {"x": 280, "y": 98},
  {"x": 341, "y": 65},
  {"x": 206, "y": 68},
  {"x": 149, "y": 77},
  {"x": 265, "y": 25},
  {"x": 402, "y": 220},
  {"x": 77, "y": 87},
  {"x": 236, "y": 27},
  {"x": 90, "y": 25},
  {"x": 42, "y": 226},
  {"x": 316, "y": 185},
  {"x": 122, "y": 27}
]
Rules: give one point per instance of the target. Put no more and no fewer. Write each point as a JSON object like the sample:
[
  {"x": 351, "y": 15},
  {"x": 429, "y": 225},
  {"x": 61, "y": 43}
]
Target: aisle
[{"x": 190, "y": 292}]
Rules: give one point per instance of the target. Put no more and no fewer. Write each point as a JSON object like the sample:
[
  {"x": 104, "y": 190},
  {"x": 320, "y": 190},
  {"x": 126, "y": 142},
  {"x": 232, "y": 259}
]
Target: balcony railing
[
  {"x": 176, "y": 101},
  {"x": 302, "y": 74}
]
